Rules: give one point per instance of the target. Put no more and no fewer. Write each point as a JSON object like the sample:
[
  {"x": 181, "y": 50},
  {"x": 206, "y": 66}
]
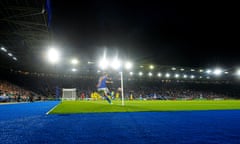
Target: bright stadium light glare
[
  {"x": 74, "y": 61},
  {"x": 201, "y": 70},
  {"x": 151, "y": 67},
  {"x": 74, "y": 69},
  {"x": 208, "y": 71},
  {"x": 103, "y": 64},
  {"x": 185, "y": 76},
  {"x": 159, "y": 74},
  {"x": 140, "y": 73},
  {"x": 182, "y": 69},
  {"x": 128, "y": 65},
  {"x": 150, "y": 74},
  {"x": 131, "y": 73},
  {"x": 217, "y": 71},
  {"x": 192, "y": 70},
  {"x": 53, "y": 55},
  {"x": 10, "y": 54},
  {"x": 14, "y": 58},
  {"x": 90, "y": 62},
  {"x": 116, "y": 64},
  {"x": 238, "y": 72},
  {"x": 3, "y": 49},
  {"x": 192, "y": 76},
  {"x": 176, "y": 75},
  {"x": 167, "y": 75},
  {"x": 173, "y": 68}
]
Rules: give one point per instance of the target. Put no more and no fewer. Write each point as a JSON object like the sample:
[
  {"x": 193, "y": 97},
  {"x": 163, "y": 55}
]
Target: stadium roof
[
  {"x": 149, "y": 32},
  {"x": 23, "y": 32}
]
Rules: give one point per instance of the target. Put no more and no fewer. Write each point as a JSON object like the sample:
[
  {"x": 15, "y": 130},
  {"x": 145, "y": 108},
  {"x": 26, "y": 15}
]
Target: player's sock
[{"x": 109, "y": 101}]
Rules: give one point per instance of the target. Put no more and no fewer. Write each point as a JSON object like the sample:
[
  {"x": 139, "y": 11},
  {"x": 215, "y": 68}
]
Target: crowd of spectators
[
  {"x": 41, "y": 87},
  {"x": 179, "y": 90},
  {"x": 12, "y": 93}
]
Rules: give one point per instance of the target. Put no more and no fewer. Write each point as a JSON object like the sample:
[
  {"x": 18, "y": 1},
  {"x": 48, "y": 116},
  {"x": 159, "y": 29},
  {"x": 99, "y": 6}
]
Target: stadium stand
[
  {"x": 12, "y": 93},
  {"x": 45, "y": 87}
]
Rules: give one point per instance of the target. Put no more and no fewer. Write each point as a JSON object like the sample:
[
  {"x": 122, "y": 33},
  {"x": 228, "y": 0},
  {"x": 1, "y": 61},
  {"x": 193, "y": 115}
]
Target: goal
[{"x": 69, "y": 94}]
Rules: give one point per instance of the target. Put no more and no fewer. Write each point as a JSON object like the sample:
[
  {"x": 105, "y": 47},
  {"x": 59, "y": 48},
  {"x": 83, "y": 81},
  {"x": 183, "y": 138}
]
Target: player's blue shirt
[{"x": 103, "y": 83}]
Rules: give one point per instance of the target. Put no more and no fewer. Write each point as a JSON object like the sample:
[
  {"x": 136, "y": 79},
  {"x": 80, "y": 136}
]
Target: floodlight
[
  {"x": 74, "y": 69},
  {"x": 208, "y": 71},
  {"x": 217, "y": 71},
  {"x": 192, "y": 76},
  {"x": 53, "y": 55},
  {"x": 201, "y": 70},
  {"x": 140, "y": 73},
  {"x": 182, "y": 69},
  {"x": 176, "y": 75},
  {"x": 14, "y": 58},
  {"x": 173, "y": 68},
  {"x": 128, "y": 65},
  {"x": 131, "y": 73},
  {"x": 103, "y": 64},
  {"x": 150, "y": 74},
  {"x": 10, "y": 54},
  {"x": 3, "y": 49},
  {"x": 167, "y": 75},
  {"x": 116, "y": 64},
  {"x": 74, "y": 61},
  {"x": 151, "y": 67},
  {"x": 159, "y": 74},
  {"x": 89, "y": 62},
  {"x": 192, "y": 70},
  {"x": 185, "y": 76},
  {"x": 238, "y": 72}
]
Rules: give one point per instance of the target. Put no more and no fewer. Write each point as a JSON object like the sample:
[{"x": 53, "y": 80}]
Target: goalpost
[{"x": 69, "y": 94}]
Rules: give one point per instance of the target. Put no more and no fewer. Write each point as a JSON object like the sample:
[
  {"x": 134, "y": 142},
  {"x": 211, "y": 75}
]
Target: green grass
[{"x": 71, "y": 107}]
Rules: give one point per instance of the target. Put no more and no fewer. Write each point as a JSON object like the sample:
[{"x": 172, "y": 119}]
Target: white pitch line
[
  {"x": 51, "y": 109},
  {"x": 13, "y": 103}
]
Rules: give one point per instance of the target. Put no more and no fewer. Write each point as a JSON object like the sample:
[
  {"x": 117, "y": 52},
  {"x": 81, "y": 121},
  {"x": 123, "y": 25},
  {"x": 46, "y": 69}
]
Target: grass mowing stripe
[{"x": 68, "y": 107}]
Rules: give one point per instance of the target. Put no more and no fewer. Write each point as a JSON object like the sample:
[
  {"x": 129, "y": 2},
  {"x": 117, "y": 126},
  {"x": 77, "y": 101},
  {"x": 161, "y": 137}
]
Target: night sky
[{"x": 165, "y": 33}]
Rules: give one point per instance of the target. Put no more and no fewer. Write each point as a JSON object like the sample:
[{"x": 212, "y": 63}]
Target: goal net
[{"x": 69, "y": 94}]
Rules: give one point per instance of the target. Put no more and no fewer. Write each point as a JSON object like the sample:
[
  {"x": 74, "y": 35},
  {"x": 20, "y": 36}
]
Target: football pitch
[
  {"x": 74, "y": 107},
  {"x": 137, "y": 122}
]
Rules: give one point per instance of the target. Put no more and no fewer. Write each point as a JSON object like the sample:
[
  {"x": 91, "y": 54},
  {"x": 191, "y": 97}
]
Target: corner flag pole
[{"x": 121, "y": 73}]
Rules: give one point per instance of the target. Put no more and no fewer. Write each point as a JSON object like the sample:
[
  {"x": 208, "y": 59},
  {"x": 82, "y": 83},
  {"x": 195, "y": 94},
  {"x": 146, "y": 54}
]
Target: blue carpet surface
[{"x": 28, "y": 124}]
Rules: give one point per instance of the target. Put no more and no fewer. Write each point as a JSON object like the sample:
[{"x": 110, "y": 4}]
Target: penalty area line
[{"x": 51, "y": 109}]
